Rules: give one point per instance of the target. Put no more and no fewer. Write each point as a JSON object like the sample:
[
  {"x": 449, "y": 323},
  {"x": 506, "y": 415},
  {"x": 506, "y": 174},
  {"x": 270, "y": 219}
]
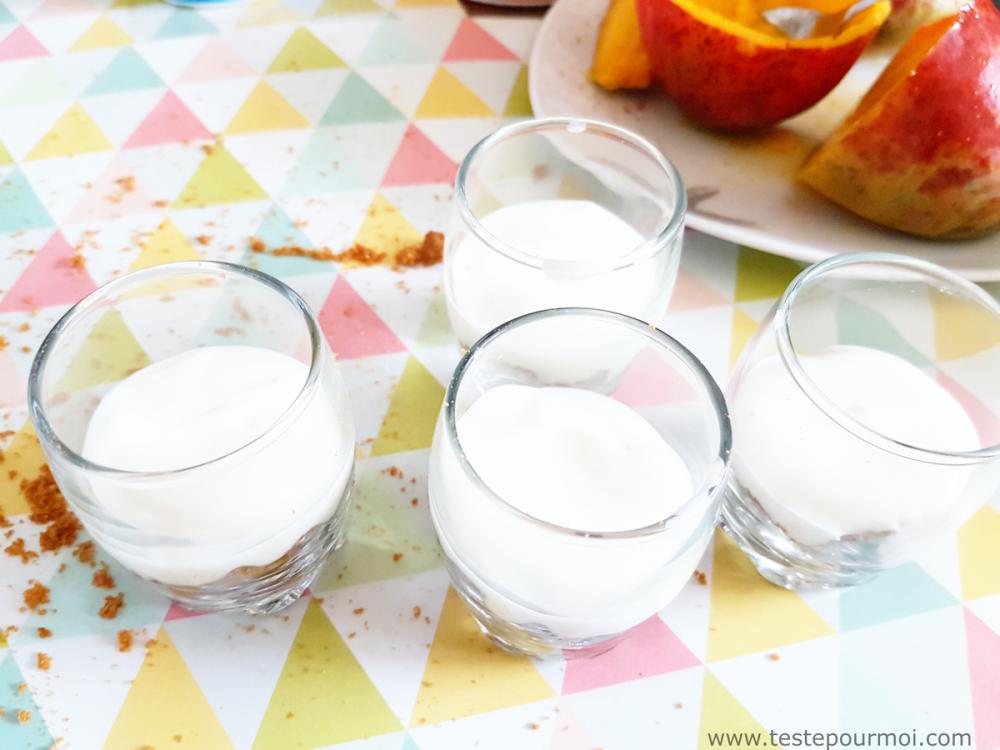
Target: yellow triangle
[
  {"x": 266, "y": 12},
  {"x": 109, "y": 353},
  {"x": 979, "y": 554},
  {"x": 961, "y": 329},
  {"x": 762, "y": 276},
  {"x": 721, "y": 712},
  {"x": 24, "y": 457},
  {"x": 466, "y": 674},
  {"x": 386, "y": 230},
  {"x": 103, "y": 33},
  {"x": 266, "y": 109},
  {"x": 409, "y": 423},
  {"x": 304, "y": 51},
  {"x": 323, "y": 696},
  {"x": 5, "y": 157},
  {"x": 165, "y": 245},
  {"x": 519, "y": 103},
  {"x": 73, "y": 133},
  {"x": 446, "y": 96},
  {"x": 749, "y": 614},
  {"x": 165, "y": 702},
  {"x": 744, "y": 327},
  {"x": 220, "y": 178}
]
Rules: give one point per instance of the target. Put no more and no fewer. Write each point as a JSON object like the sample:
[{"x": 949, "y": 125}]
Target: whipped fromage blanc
[
  {"x": 230, "y": 479},
  {"x": 818, "y": 480},
  {"x": 579, "y": 460},
  {"x": 576, "y": 245}
]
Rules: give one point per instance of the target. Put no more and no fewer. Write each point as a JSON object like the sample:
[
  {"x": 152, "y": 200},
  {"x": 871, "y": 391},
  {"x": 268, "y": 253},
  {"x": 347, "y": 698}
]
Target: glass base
[
  {"x": 270, "y": 588},
  {"x": 525, "y": 639},
  {"x": 785, "y": 562}
]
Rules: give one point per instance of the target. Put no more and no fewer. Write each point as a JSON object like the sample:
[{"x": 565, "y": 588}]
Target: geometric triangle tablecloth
[{"x": 133, "y": 133}]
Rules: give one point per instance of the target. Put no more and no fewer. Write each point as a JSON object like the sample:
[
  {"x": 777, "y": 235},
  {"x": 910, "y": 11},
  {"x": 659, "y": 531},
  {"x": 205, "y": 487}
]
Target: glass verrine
[
  {"x": 561, "y": 212},
  {"x": 551, "y": 539},
  {"x": 865, "y": 421},
  {"x": 239, "y": 377}
]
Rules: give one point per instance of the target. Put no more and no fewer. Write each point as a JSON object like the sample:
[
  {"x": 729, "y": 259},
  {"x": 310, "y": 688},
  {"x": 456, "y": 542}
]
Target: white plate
[{"x": 740, "y": 189}]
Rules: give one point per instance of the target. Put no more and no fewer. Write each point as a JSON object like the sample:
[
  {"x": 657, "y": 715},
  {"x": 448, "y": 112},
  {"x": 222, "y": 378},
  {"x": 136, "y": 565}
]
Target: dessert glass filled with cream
[
  {"x": 865, "y": 419},
  {"x": 197, "y": 423},
  {"x": 559, "y": 213},
  {"x": 573, "y": 507}
]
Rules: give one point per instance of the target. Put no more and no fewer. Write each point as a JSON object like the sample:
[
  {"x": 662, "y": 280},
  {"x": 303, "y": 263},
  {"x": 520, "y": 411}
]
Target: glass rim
[
  {"x": 790, "y": 358},
  {"x": 713, "y": 395},
  {"x": 575, "y": 126},
  {"x": 37, "y": 410}
]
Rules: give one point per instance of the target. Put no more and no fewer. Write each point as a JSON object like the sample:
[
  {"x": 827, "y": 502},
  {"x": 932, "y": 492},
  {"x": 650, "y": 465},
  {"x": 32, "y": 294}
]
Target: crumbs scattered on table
[
  {"x": 774, "y": 657},
  {"x": 125, "y": 641},
  {"x": 43, "y": 661},
  {"x": 203, "y": 239},
  {"x": 359, "y": 611},
  {"x": 416, "y": 613},
  {"x": 23, "y": 716},
  {"x": 111, "y": 606},
  {"x": 44, "y": 633},
  {"x": 700, "y": 578},
  {"x": 36, "y": 595},
  {"x": 84, "y": 552},
  {"x": 48, "y": 507},
  {"x": 17, "y": 549},
  {"x": 102, "y": 578},
  {"x": 397, "y": 556}
]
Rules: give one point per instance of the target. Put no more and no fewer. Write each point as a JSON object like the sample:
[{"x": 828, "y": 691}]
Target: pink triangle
[
  {"x": 471, "y": 42},
  {"x": 984, "y": 680},
  {"x": 12, "y": 384},
  {"x": 352, "y": 328},
  {"x": 986, "y": 422},
  {"x": 170, "y": 122},
  {"x": 113, "y": 195},
  {"x": 177, "y": 612},
  {"x": 649, "y": 649},
  {"x": 418, "y": 162},
  {"x": 52, "y": 8},
  {"x": 691, "y": 293},
  {"x": 216, "y": 62},
  {"x": 650, "y": 381},
  {"x": 51, "y": 279},
  {"x": 19, "y": 44},
  {"x": 568, "y": 734}
]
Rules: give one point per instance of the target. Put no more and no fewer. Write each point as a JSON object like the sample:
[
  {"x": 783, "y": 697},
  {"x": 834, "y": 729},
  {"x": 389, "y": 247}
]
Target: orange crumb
[
  {"x": 290, "y": 715},
  {"x": 350, "y": 636},
  {"x": 774, "y": 657},
  {"x": 112, "y": 604},
  {"x": 102, "y": 578},
  {"x": 161, "y": 203},
  {"x": 125, "y": 641},
  {"x": 359, "y": 611},
  {"x": 23, "y": 716},
  {"x": 429, "y": 253},
  {"x": 394, "y": 471},
  {"x": 21, "y": 688},
  {"x": 36, "y": 595},
  {"x": 700, "y": 578},
  {"x": 257, "y": 245},
  {"x": 48, "y": 507},
  {"x": 78, "y": 261},
  {"x": 414, "y": 502},
  {"x": 23, "y": 328},
  {"x": 16, "y": 549},
  {"x": 44, "y": 661},
  {"x": 397, "y": 556},
  {"x": 44, "y": 633},
  {"x": 416, "y": 613},
  {"x": 126, "y": 183},
  {"x": 151, "y": 643},
  {"x": 534, "y": 726},
  {"x": 203, "y": 239},
  {"x": 3, "y": 343},
  {"x": 84, "y": 552}
]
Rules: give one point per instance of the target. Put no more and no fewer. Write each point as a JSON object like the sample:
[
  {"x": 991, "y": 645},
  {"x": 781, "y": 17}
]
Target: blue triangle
[
  {"x": 862, "y": 326},
  {"x": 76, "y": 603},
  {"x": 409, "y": 744},
  {"x": 397, "y": 41},
  {"x": 358, "y": 101},
  {"x": 6, "y": 16},
  {"x": 185, "y": 22},
  {"x": 329, "y": 165},
  {"x": 126, "y": 72},
  {"x": 898, "y": 592},
  {"x": 277, "y": 230},
  {"x": 31, "y": 735},
  {"x": 20, "y": 208}
]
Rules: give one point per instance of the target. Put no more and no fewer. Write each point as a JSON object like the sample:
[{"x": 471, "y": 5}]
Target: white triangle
[
  {"x": 330, "y": 220},
  {"x": 389, "y": 642},
  {"x": 434, "y": 26},
  {"x": 215, "y": 102},
  {"x": 371, "y": 381},
  {"x": 60, "y": 189},
  {"x": 940, "y": 560},
  {"x": 824, "y": 603},
  {"x": 109, "y": 248},
  {"x": 314, "y": 288},
  {"x": 17, "y": 576},
  {"x": 164, "y": 170},
  {"x": 644, "y": 713},
  {"x": 169, "y": 58},
  {"x": 236, "y": 661},
  {"x": 785, "y": 705},
  {"x": 347, "y": 35},
  {"x": 456, "y": 136},
  {"x": 22, "y": 127},
  {"x": 228, "y": 225},
  {"x": 533, "y": 725},
  {"x": 310, "y": 91},
  {"x": 58, "y": 33},
  {"x": 440, "y": 361},
  {"x": 490, "y": 80},
  {"x": 516, "y": 33},
  {"x": 119, "y": 114},
  {"x": 707, "y": 334},
  {"x": 403, "y": 85},
  {"x": 81, "y": 694},
  {"x": 144, "y": 24},
  {"x": 987, "y": 609},
  {"x": 687, "y": 615},
  {"x": 268, "y": 156},
  {"x": 260, "y": 45},
  {"x": 401, "y": 299}
]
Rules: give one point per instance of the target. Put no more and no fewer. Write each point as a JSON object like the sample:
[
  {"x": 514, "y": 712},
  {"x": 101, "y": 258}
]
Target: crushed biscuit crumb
[{"x": 112, "y": 604}]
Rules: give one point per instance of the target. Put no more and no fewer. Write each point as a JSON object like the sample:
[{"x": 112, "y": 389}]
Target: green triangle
[
  {"x": 37, "y": 84},
  {"x": 304, "y": 51},
  {"x": 220, "y": 178},
  {"x": 409, "y": 422},
  {"x": 519, "y": 103},
  {"x": 345, "y": 7},
  {"x": 763, "y": 276},
  {"x": 861, "y": 326},
  {"x": 323, "y": 696},
  {"x": 126, "y": 72},
  {"x": 6, "y": 16},
  {"x": 20, "y": 208},
  {"x": 357, "y": 102},
  {"x": 185, "y": 22},
  {"x": 435, "y": 330}
]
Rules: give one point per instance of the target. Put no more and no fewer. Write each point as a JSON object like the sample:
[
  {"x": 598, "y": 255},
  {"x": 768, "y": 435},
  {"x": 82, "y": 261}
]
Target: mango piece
[{"x": 620, "y": 59}]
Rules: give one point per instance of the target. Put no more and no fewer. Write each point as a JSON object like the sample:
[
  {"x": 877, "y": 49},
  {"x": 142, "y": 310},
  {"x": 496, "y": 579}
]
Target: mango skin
[
  {"x": 924, "y": 157},
  {"x": 725, "y": 82},
  {"x": 620, "y": 58}
]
